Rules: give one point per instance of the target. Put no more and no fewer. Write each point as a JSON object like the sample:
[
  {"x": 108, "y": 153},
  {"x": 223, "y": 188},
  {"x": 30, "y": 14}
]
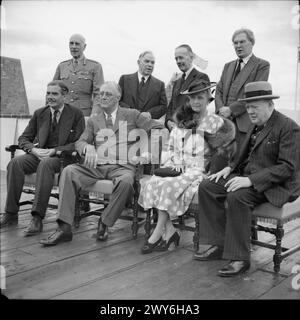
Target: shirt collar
[
  {"x": 113, "y": 115},
  {"x": 140, "y": 77},
  {"x": 60, "y": 110},
  {"x": 246, "y": 59},
  {"x": 188, "y": 72},
  {"x": 81, "y": 59}
]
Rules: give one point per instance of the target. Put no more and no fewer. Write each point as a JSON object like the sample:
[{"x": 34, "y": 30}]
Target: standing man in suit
[
  {"x": 267, "y": 170},
  {"x": 83, "y": 77},
  {"x": 184, "y": 58},
  {"x": 142, "y": 91},
  {"x": 53, "y": 128},
  {"x": 115, "y": 123},
  {"x": 236, "y": 74}
]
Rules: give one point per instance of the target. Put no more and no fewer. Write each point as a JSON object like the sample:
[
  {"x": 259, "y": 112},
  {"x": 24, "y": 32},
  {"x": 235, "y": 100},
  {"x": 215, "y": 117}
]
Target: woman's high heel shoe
[
  {"x": 148, "y": 247},
  {"x": 164, "y": 245}
]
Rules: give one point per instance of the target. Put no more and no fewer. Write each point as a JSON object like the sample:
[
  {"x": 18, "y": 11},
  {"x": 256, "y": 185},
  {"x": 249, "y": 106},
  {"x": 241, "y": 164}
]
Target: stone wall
[{"x": 13, "y": 93}]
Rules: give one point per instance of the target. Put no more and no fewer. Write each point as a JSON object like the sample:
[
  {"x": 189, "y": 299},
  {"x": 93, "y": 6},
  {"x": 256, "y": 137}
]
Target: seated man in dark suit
[
  {"x": 53, "y": 128},
  {"x": 106, "y": 147},
  {"x": 142, "y": 91},
  {"x": 184, "y": 59},
  {"x": 267, "y": 170}
]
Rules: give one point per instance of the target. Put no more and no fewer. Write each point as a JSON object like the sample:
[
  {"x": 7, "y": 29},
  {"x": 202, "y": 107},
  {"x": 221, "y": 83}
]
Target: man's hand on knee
[
  {"x": 90, "y": 159},
  {"x": 238, "y": 183}
]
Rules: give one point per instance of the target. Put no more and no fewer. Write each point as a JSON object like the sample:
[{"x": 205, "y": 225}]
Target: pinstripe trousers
[{"x": 230, "y": 226}]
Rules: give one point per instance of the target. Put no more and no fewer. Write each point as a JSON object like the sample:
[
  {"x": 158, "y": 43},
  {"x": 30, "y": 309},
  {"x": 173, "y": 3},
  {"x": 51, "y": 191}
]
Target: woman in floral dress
[{"x": 188, "y": 153}]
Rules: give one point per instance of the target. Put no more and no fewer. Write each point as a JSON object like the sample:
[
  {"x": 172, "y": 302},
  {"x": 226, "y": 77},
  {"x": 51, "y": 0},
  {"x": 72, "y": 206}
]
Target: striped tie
[{"x": 109, "y": 123}]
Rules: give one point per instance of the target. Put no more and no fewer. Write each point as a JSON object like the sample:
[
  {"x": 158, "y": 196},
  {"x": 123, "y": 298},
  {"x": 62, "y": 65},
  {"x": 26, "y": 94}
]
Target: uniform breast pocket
[
  {"x": 85, "y": 81},
  {"x": 85, "y": 75}
]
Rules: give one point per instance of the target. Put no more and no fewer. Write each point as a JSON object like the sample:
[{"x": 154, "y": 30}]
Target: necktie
[
  {"x": 142, "y": 83},
  {"x": 75, "y": 64},
  {"x": 182, "y": 80},
  {"x": 238, "y": 69},
  {"x": 54, "y": 120},
  {"x": 109, "y": 123}
]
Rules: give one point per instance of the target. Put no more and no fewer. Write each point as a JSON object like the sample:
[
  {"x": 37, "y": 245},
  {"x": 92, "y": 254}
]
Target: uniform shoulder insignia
[
  {"x": 65, "y": 61},
  {"x": 89, "y": 60}
]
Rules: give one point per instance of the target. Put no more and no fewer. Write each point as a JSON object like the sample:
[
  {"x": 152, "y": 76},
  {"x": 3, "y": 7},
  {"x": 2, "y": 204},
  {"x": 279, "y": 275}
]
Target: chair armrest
[{"x": 12, "y": 148}]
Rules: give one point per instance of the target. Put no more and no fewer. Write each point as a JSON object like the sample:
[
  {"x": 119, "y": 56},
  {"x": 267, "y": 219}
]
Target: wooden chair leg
[
  {"x": 254, "y": 235},
  {"x": 196, "y": 232},
  {"x": 135, "y": 225},
  {"x": 77, "y": 212},
  {"x": 278, "y": 249}
]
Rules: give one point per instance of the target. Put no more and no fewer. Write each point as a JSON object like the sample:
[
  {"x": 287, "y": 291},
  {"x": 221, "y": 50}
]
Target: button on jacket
[{"x": 83, "y": 80}]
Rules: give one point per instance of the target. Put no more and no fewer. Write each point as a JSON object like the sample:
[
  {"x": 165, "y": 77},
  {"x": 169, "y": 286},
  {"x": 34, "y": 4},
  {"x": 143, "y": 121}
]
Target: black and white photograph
[{"x": 150, "y": 154}]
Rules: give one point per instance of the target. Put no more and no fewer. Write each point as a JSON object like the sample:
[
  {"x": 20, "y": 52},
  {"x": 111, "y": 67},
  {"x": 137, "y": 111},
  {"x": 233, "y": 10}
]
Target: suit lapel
[
  {"x": 44, "y": 128},
  {"x": 245, "y": 146},
  {"x": 265, "y": 130},
  {"x": 65, "y": 125},
  {"x": 134, "y": 80},
  {"x": 150, "y": 90},
  {"x": 230, "y": 72},
  {"x": 119, "y": 117},
  {"x": 245, "y": 72},
  {"x": 188, "y": 80},
  {"x": 101, "y": 120}
]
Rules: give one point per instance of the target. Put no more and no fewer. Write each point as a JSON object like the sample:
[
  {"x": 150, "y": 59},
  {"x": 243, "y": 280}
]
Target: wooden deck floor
[{"x": 86, "y": 269}]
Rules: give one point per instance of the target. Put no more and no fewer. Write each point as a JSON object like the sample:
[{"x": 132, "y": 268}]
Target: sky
[{"x": 116, "y": 32}]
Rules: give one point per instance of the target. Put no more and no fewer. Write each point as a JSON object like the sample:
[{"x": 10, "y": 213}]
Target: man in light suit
[
  {"x": 184, "y": 59},
  {"x": 83, "y": 77},
  {"x": 104, "y": 145},
  {"x": 267, "y": 170},
  {"x": 142, "y": 91},
  {"x": 53, "y": 128},
  {"x": 236, "y": 74}
]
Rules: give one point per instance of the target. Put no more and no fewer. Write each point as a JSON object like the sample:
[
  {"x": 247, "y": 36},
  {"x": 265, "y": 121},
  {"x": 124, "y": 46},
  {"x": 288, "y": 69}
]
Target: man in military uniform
[{"x": 83, "y": 77}]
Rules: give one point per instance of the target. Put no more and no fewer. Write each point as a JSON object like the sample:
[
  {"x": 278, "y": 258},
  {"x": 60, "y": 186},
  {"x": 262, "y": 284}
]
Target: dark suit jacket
[
  {"x": 123, "y": 135},
  {"x": 227, "y": 94},
  {"x": 177, "y": 99},
  {"x": 71, "y": 126},
  {"x": 275, "y": 159},
  {"x": 155, "y": 102}
]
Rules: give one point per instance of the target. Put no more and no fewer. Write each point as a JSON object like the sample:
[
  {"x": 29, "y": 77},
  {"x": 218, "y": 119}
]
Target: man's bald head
[{"x": 77, "y": 45}]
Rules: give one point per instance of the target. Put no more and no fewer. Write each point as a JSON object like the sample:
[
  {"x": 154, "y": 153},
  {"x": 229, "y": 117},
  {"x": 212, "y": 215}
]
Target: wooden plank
[
  {"x": 82, "y": 242},
  {"x": 69, "y": 272},
  {"x": 284, "y": 290},
  {"x": 172, "y": 276},
  {"x": 14, "y": 238}
]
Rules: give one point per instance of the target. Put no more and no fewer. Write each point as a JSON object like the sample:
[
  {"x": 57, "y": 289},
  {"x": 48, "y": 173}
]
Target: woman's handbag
[{"x": 166, "y": 172}]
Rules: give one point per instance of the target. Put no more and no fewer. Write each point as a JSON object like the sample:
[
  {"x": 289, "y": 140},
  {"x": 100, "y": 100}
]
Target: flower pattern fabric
[{"x": 188, "y": 150}]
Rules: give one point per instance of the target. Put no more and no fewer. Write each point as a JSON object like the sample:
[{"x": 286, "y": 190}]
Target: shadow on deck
[{"x": 86, "y": 269}]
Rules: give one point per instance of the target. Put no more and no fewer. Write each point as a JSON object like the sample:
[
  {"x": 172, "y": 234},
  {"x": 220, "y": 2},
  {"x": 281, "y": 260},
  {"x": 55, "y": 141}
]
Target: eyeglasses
[{"x": 105, "y": 93}]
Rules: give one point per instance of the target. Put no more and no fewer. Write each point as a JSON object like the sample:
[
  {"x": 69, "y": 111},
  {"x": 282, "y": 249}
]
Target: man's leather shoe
[
  {"x": 57, "y": 237},
  {"x": 8, "y": 219},
  {"x": 234, "y": 268},
  {"x": 35, "y": 226},
  {"x": 212, "y": 253},
  {"x": 102, "y": 232}
]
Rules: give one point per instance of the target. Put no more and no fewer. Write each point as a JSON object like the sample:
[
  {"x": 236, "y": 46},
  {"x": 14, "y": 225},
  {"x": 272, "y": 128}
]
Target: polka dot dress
[{"x": 174, "y": 194}]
